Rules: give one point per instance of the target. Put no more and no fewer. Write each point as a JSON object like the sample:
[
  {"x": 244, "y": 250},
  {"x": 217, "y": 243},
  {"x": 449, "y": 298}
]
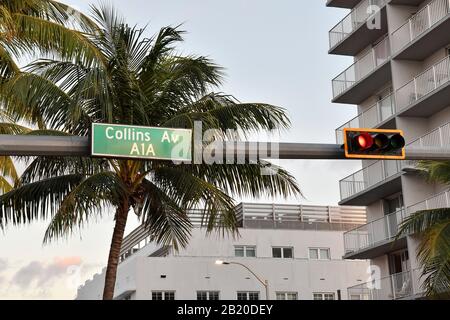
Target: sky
[{"x": 273, "y": 52}]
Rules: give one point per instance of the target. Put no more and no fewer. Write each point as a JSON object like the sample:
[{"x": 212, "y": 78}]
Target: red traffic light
[
  {"x": 364, "y": 141},
  {"x": 374, "y": 144}
]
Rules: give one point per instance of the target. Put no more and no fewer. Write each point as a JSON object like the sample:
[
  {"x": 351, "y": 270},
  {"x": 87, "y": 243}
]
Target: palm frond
[
  {"x": 40, "y": 199},
  {"x": 165, "y": 220},
  {"x": 433, "y": 227},
  {"x": 86, "y": 201}
]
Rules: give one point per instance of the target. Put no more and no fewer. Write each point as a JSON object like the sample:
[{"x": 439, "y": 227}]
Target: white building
[
  {"x": 297, "y": 249},
  {"x": 400, "y": 79}
]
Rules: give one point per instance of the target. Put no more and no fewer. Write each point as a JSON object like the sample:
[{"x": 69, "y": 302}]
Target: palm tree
[
  {"x": 137, "y": 81},
  {"x": 433, "y": 227},
  {"x": 45, "y": 25},
  {"x": 28, "y": 27}
]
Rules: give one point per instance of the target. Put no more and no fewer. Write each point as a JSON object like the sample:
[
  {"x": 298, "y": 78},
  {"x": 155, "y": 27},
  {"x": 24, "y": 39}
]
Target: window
[
  {"x": 245, "y": 251},
  {"x": 248, "y": 295},
  {"x": 207, "y": 295},
  {"x": 163, "y": 295},
  {"x": 287, "y": 296},
  {"x": 284, "y": 253},
  {"x": 323, "y": 296},
  {"x": 319, "y": 253}
]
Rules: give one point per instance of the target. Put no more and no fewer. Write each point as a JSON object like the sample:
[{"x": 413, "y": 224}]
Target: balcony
[
  {"x": 427, "y": 93},
  {"x": 407, "y": 2},
  {"x": 404, "y": 285},
  {"x": 424, "y": 33},
  {"x": 375, "y": 238},
  {"x": 363, "y": 77},
  {"x": 380, "y": 114},
  {"x": 441, "y": 200},
  {"x": 439, "y": 137},
  {"x": 378, "y": 180},
  {"x": 347, "y": 4},
  {"x": 353, "y": 33}
]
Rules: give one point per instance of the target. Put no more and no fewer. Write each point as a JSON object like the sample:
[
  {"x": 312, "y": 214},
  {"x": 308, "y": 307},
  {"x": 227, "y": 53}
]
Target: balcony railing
[
  {"x": 418, "y": 24},
  {"x": 423, "y": 84},
  {"x": 370, "y": 118},
  {"x": 439, "y": 137},
  {"x": 356, "y": 18},
  {"x": 396, "y": 286},
  {"x": 441, "y": 200},
  {"x": 362, "y": 67},
  {"x": 370, "y": 176},
  {"x": 386, "y": 228},
  {"x": 373, "y": 233}
]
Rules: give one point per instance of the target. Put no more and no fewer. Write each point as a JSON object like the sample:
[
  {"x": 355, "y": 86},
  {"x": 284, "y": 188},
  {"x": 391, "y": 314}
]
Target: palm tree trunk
[{"x": 114, "y": 251}]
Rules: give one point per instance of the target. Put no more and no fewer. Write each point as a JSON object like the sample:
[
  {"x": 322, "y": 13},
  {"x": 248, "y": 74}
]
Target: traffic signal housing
[{"x": 374, "y": 144}]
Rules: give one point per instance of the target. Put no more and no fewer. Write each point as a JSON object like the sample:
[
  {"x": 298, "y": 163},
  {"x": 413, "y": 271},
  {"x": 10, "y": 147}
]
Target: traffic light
[{"x": 374, "y": 144}]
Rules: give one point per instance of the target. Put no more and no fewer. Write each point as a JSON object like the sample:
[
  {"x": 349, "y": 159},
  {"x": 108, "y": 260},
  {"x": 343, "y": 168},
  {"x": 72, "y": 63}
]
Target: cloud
[
  {"x": 3, "y": 264},
  {"x": 43, "y": 274}
]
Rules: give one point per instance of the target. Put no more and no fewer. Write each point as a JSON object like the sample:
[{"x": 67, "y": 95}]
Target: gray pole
[{"x": 28, "y": 145}]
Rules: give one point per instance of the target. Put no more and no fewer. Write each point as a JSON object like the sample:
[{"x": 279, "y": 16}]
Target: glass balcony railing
[
  {"x": 441, "y": 200},
  {"x": 439, "y": 137},
  {"x": 355, "y": 19},
  {"x": 417, "y": 25},
  {"x": 386, "y": 228},
  {"x": 362, "y": 67},
  {"x": 397, "y": 286},
  {"x": 370, "y": 176},
  {"x": 371, "y": 118},
  {"x": 423, "y": 84},
  {"x": 373, "y": 233}
]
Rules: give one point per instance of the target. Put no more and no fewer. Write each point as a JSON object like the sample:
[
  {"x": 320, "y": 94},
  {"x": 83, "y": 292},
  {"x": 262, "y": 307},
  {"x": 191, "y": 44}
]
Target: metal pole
[
  {"x": 265, "y": 283},
  {"x": 27, "y": 145}
]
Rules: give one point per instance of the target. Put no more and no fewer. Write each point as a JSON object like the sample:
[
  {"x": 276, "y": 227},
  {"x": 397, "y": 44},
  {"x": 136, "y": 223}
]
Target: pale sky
[{"x": 273, "y": 52}]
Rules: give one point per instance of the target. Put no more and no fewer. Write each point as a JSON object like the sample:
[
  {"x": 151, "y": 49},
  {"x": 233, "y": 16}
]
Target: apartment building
[
  {"x": 400, "y": 79},
  {"x": 298, "y": 249}
]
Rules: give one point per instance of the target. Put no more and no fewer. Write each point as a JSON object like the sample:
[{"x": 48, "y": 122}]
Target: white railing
[
  {"x": 356, "y": 18},
  {"x": 441, "y": 200},
  {"x": 304, "y": 213},
  {"x": 439, "y": 137},
  {"x": 422, "y": 21},
  {"x": 370, "y": 176},
  {"x": 423, "y": 84},
  {"x": 373, "y": 233},
  {"x": 362, "y": 67},
  {"x": 396, "y": 286},
  {"x": 370, "y": 118},
  {"x": 386, "y": 228}
]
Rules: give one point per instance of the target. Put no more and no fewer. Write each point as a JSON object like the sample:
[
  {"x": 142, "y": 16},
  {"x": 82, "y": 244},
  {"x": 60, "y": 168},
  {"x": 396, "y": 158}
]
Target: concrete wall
[{"x": 194, "y": 268}]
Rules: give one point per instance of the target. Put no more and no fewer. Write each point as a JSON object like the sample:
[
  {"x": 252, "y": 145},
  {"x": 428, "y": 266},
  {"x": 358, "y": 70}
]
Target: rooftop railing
[
  {"x": 370, "y": 118},
  {"x": 359, "y": 15},
  {"x": 423, "y": 84},
  {"x": 361, "y": 68},
  {"x": 418, "y": 24}
]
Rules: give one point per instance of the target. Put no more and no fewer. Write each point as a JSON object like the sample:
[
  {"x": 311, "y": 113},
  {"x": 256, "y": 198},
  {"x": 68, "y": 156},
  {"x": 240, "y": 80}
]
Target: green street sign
[{"x": 126, "y": 141}]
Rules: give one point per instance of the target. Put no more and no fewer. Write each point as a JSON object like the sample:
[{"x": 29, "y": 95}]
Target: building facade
[
  {"x": 298, "y": 249},
  {"x": 400, "y": 79}
]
